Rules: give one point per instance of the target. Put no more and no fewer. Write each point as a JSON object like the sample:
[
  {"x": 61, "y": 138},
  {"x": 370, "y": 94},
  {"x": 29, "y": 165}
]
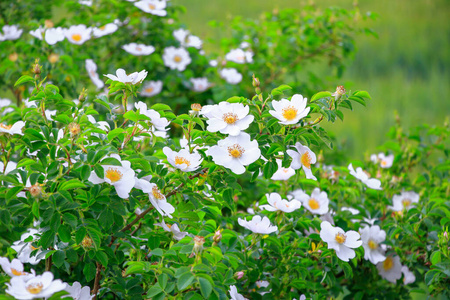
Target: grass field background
[{"x": 405, "y": 69}]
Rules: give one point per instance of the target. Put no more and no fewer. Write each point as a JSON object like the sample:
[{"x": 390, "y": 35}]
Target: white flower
[
  {"x": 258, "y": 225},
  {"x": 213, "y": 63},
  {"x": 10, "y": 32},
  {"x": 408, "y": 276},
  {"x": 302, "y": 158},
  {"x": 371, "y": 238},
  {"x": 232, "y": 76},
  {"x": 262, "y": 284},
  {"x": 290, "y": 112},
  {"x": 121, "y": 177},
  {"x": 104, "y": 30},
  {"x": 277, "y": 203},
  {"x": 229, "y": 118},
  {"x": 151, "y": 88},
  {"x": 200, "y": 84},
  {"x": 154, "y": 7},
  {"x": 15, "y": 268},
  {"x": 155, "y": 118},
  {"x": 16, "y": 128},
  {"x": 85, "y": 2},
  {"x": 316, "y": 204},
  {"x": 138, "y": 49},
  {"x": 159, "y": 201},
  {"x": 390, "y": 269},
  {"x": 282, "y": 173},
  {"x": 77, "y": 292},
  {"x": 38, "y": 33},
  {"x": 239, "y": 56},
  {"x": 339, "y": 240},
  {"x": 78, "y": 34},
  {"x": 405, "y": 200},
  {"x": 54, "y": 35},
  {"x": 186, "y": 39},
  {"x": 41, "y": 286},
  {"x": 372, "y": 183},
  {"x": 10, "y": 166},
  {"x": 176, "y": 58},
  {"x": 235, "y": 152},
  {"x": 385, "y": 161},
  {"x": 24, "y": 249},
  {"x": 234, "y": 295},
  {"x": 177, "y": 233},
  {"x": 351, "y": 210},
  {"x": 133, "y": 78},
  {"x": 183, "y": 159},
  {"x": 91, "y": 67}
]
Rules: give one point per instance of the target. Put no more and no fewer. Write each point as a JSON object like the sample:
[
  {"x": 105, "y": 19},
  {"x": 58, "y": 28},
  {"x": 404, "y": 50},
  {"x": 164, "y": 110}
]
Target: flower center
[
  {"x": 314, "y": 204},
  {"x": 230, "y": 118},
  {"x": 406, "y": 203},
  {"x": 138, "y": 49},
  {"x": 240, "y": 58},
  {"x": 306, "y": 160},
  {"x": 149, "y": 90},
  {"x": 76, "y": 37},
  {"x": 236, "y": 151},
  {"x": 285, "y": 170},
  {"x": 340, "y": 238},
  {"x": 157, "y": 194},
  {"x": 179, "y": 160},
  {"x": 372, "y": 245},
  {"x": 33, "y": 248},
  {"x": 289, "y": 113},
  {"x": 177, "y": 58},
  {"x": 383, "y": 163},
  {"x": 17, "y": 273},
  {"x": 7, "y": 127},
  {"x": 35, "y": 288},
  {"x": 113, "y": 174},
  {"x": 388, "y": 264},
  {"x": 152, "y": 6},
  {"x": 169, "y": 225}
]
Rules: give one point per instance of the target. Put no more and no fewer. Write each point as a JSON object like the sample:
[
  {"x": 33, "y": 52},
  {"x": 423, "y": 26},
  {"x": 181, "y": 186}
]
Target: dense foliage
[{"x": 171, "y": 198}]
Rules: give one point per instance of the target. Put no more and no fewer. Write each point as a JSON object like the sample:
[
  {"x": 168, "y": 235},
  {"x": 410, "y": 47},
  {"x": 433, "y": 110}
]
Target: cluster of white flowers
[{"x": 385, "y": 161}]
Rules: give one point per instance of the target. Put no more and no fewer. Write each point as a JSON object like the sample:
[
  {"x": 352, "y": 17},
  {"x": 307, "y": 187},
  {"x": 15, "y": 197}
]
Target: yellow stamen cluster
[
  {"x": 177, "y": 58},
  {"x": 49, "y": 23},
  {"x": 406, "y": 202},
  {"x": 74, "y": 128},
  {"x": 289, "y": 113},
  {"x": 35, "y": 288},
  {"x": 313, "y": 203},
  {"x": 53, "y": 58},
  {"x": 196, "y": 107},
  {"x": 157, "y": 193},
  {"x": 340, "y": 238},
  {"x": 179, "y": 160},
  {"x": 372, "y": 245},
  {"x": 87, "y": 242},
  {"x": 306, "y": 160},
  {"x": 236, "y": 151},
  {"x": 149, "y": 90},
  {"x": 152, "y": 6},
  {"x": 138, "y": 49},
  {"x": 230, "y": 118},
  {"x": 388, "y": 263},
  {"x": 76, "y": 37},
  {"x": 340, "y": 90},
  {"x": 113, "y": 174},
  {"x": 4, "y": 126},
  {"x": 102, "y": 27},
  {"x": 18, "y": 273}
]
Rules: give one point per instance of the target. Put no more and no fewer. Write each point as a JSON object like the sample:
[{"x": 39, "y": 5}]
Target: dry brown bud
[
  {"x": 35, "y": 190},
  {"x": 49, "y": 24},
  {"x": 87, "y": 242},
  {"x": 74, "y": 128},
  {"x": 13, "y": 57}
]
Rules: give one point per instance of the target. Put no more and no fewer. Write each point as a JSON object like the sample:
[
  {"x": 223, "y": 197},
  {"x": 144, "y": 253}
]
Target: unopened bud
[
  {"x": 217, "y": 236},
  {"x": 53, "y": 58},
  {"x": 198, "y": 246},
  {"x": 255, "y": 81},
  {"x": 83, "y": 95},
  {"x": 37, "y": 67},
  {"x": 196, "y": 107},
  {"x": 239, "y": 275},
  {"x": 446, "y": 235},
  {"x": 74, "y": 128},
  {"x": 49, "y": 24},
  {"x": 13, "y": 57},
  {"x": 35, "y": 190},
  {"x": 87, "y": 242}
]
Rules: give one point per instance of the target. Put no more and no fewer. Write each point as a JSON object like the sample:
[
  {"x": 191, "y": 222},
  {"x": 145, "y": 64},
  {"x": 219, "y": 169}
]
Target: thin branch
[{"x": 97, "y": 280}]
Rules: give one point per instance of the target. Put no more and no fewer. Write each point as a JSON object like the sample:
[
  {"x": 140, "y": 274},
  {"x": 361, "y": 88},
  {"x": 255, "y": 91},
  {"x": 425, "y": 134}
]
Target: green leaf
[
  {"x": 102, "y": 258},
  {"x": 58, "y": 258},
  {"x": 80, "y": 234},
  {"x": 162, "y": 280},
  {"x": 35, "y": 209},
  {"x": 12, "y": 192},
  {"x": 71, "y": 220},
  {"x": 320, "y": 95},
  {"x": 111, "y": 161},
  {"x": 64, "y": 233},
  {"x": 47, "y": 239},
  {"x": 270, "y": 168},
  {"x": 71, "y": 184},
  {"x": 130, "y": 115},
  {"x": 185, "y": 280},
  {"x": 153, "y": 291},
  {"x": 89, "y": 271},
  {"x": 5, "y": 217},
  {"x": 160, "y": 106},
  {"x": 23, "y": 79},
  {"x": 363, "y": 94},
  {"x": 205, "y": 287},
  {"x": 114, "y": 133}
]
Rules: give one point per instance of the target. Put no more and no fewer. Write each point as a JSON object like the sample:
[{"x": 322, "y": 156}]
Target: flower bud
[
  {"x": 239, "y": 275},
  {"x": 35, "y": 190},
  {"x": 198, "y": 247},
  {"x": 195, "y": 109},
  {"x": 217, "y": 236},
  {"x": 74, "y": 128},
  {"x": 87, "y": 242},
  {"x": 53, "y": 58},
  {"x": 36, "y": 67},
  {"x": 13, "y": 57},
  {"x": 255, "y": 81},
  {"x": 340, "y": 91},
  {"x": 83, "y": 95},
  {"x": 49, "y": 24}
]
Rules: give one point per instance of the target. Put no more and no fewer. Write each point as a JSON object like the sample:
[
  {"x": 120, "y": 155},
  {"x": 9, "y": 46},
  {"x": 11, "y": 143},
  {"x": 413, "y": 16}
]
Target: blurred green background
[{"x": 405, "y": 69}]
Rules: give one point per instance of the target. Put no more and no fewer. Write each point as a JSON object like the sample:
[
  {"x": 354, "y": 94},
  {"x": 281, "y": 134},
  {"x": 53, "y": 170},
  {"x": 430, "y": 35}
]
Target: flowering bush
[{"x": 110, "y": 197}]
